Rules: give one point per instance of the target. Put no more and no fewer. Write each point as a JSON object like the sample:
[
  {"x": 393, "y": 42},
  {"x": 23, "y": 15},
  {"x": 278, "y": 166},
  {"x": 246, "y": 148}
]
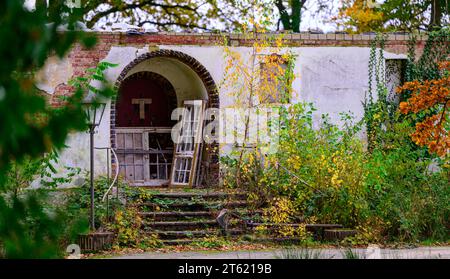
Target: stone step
[
  {"x": 280, "y": 240},
  {"x": 175, "y": 242},
  {"x": 175, "y": 215},
  {"x": 193, "y": 234},
  {"x": 318, "y": 230},
  {"x": 199, "y": 195},
  {"x": 181, "y": 225},
  {"x": 195, "y": 205},
  {"x": 312, "y": 227},
  {"x": 338, "y": 234},
  {"x": 185, "y": 234}
]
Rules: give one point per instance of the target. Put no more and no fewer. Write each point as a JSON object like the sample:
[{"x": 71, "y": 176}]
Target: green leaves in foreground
[
  {"x": 28, "y": 125},
  {"x": 28, "y": 229}
]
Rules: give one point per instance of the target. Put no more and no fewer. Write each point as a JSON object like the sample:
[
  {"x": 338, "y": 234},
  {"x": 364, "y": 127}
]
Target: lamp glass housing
[{"x": 94, "y": 112}]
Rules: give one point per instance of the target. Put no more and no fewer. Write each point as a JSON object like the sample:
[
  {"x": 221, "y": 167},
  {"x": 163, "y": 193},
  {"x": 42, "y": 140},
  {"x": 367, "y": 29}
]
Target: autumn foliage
[
  {"x": 360, "y": 16},
  {"x": 432, "y": 97}
]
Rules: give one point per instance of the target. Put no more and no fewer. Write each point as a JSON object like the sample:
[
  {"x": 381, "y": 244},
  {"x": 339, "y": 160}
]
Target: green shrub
[{"x": 328, "y": 175}]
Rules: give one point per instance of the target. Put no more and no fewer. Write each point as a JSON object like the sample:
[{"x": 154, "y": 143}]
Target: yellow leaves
[
  {"x": 280, "y": 214},
  {"x": 335, "y": 181},
  {"x": 127, "y": 224},
  {"x": 256, "y": 75},
  {"x": 358, "y": 15},
  {"x": 280, "y": 211},
  {"x": 294, "y": 162}
]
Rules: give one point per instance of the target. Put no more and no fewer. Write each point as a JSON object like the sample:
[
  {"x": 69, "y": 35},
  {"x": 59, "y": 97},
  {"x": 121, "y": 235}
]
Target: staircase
[
  {"x": 179, "y": 218},
  {"x": 184, "y": 217}
]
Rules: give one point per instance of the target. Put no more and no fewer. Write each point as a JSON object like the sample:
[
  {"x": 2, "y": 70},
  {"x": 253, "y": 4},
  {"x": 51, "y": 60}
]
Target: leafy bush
[
  {"x": 21, "y": 175},
  {"x": 327, "y": 175},
  {"x": 31, "y": 229},
  {"x": 32, "y": 223},
  {"x": 119, "y": 215}
]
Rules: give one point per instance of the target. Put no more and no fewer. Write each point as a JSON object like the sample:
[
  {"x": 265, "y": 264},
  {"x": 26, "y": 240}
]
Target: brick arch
[
  {"x": 211, "y": 150},
  {"x": 194, "y": 64}
]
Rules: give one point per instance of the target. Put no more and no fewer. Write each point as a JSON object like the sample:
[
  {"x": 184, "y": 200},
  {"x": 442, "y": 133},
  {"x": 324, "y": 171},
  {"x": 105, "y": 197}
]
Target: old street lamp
[{"x": 94, "y": 113}]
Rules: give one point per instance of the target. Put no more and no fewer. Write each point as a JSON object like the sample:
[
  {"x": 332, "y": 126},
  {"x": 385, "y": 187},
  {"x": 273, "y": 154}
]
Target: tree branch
[{"x": 139, "y": 5}]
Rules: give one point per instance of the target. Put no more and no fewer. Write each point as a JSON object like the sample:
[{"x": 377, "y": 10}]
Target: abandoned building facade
[{"x": 158, "y": 72}]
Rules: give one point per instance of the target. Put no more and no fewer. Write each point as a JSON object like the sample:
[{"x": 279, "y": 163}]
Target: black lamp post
[{"x": 94, "y": 114}]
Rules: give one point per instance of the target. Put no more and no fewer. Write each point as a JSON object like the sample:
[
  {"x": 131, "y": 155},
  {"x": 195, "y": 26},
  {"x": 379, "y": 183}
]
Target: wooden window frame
[{"x": 192, "y": 154}]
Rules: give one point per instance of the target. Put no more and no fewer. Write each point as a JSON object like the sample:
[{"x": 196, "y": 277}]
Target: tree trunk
[
  {"x": 284, "y": 15},
  {"x": 296, "y": 15},
  {"x": 41, "y": 4},
  {"x": 436, "y": 15}
]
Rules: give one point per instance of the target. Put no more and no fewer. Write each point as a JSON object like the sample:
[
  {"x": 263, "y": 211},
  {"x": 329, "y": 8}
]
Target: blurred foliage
[
  {"x": 32, "y": 130},
  {"x": 28, "y": 125},
  {"x": 29, "y": 228},
  {"x": 393, "y": 15},
  {"x": 42, "y": 170}
]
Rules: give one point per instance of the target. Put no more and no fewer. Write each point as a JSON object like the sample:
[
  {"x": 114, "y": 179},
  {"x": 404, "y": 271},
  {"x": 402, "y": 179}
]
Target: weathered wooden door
[{"x": 145, "y": 155}]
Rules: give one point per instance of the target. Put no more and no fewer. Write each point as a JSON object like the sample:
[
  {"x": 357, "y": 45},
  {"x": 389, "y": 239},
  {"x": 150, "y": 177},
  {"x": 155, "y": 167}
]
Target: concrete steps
[
  {"x": 180, "y": 218},
  {"x": 191, "y": 234},
  {"x": 193, "y": 205},
  {"x": 181, "y": 225},
  {"x": 175, "y": 215}
]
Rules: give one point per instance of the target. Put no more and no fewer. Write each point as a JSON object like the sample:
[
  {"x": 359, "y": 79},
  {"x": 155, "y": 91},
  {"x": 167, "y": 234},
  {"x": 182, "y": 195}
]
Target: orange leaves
[
  {"x": 435, "y": 95},
  {"x": 432, "y": 133}
]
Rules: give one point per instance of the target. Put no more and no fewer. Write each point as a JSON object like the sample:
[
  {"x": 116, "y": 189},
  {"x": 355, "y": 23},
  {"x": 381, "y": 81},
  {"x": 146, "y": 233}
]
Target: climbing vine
[
  {"x": 436, "y": 50},
  {"x": 379, "y": 112}
]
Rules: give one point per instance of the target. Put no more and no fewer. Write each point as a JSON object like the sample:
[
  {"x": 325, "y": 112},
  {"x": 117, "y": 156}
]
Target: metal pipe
[
  {"x": 116, "y": 175},
  {"x": 91, "y": 131}
]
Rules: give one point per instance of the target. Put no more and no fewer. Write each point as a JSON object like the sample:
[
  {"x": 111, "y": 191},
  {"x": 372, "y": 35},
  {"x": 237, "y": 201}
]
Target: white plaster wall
[{"x": 334, "y": 79}]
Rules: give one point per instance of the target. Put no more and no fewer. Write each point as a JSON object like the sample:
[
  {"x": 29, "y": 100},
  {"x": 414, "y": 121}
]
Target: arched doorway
[
  {"x": 135, "y": 124},
  {"x": 144, "y": 146}
]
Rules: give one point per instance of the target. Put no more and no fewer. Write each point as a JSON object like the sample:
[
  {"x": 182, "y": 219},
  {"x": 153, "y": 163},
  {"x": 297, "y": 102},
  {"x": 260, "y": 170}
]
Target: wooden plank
[
  {"x": 137, "y": 141},
  {"x": 139, "y": 172},
  {"x": 128, "y": 141},
  {"x": 146, "y": 157},
  {"x": 133, "y": 151},
  {"x": 120, "y": 140},
  {"x": 129, "y": 159},
  {"x": 129, "y": 172}
]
